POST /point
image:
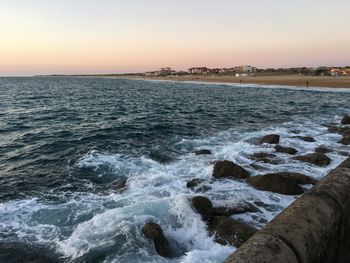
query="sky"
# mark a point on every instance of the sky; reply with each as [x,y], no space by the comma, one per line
[119,36]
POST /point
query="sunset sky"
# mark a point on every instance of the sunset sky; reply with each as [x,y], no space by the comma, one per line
[116,36]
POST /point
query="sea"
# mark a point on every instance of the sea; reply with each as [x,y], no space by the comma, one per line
[85,162]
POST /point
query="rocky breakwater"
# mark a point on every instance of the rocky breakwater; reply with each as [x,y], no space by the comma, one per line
[315,228]
[309,230]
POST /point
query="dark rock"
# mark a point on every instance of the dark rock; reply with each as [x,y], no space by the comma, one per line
[275,183]
[305,138]
[334,129]
[345,141]
[319,159]
[262,155]
[230,231]
[346,133]
[339,129]
[299,178]
[322,149]
[265,158]
[271,139]
[154,232]
[204,207]
[257,166]
[241,208]
[202,152]
[228,169]
[119,185]
[194,182]
[345,120]
[288,150]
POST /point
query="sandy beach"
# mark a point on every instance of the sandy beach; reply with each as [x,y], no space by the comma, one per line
[285,80]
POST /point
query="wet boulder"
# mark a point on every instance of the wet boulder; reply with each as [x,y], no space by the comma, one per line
[270,139]
[154,232]
[346,133]
[322,149]
[119,185]
[345,141]
[240,208]
[265,158]
[346,138]
[319,159]
[202,152]
[305,138]
[194,183]
[230,231]
[339,129]
[275,183]
[299,178]
[228,169]
[204,207]
[345,120]
[288,150]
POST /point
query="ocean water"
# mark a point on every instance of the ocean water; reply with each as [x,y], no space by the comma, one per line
[66,144]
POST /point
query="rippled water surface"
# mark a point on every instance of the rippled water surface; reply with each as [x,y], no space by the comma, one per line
[67,143]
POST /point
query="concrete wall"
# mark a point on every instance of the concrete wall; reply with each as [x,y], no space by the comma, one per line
[315,228]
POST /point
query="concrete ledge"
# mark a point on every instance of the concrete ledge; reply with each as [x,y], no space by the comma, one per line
[315,228]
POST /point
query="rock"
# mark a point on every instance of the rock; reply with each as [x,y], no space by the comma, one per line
[119,185]
[339,129]
[202,152]
[154,232]
[288,150]
[194,182]
[319,159]
[271,139]
[275,183]
[204,207]
[299,178]
[305,138]
[322,149]
[345,141]
[345,120]
[265,158]
[262,155]
[334,129]
[230,231]
[346,133]
[241,208]
[228,169]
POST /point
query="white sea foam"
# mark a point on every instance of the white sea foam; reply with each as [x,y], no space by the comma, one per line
[85,223]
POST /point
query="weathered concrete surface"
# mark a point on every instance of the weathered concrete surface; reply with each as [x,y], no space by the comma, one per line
[315,228]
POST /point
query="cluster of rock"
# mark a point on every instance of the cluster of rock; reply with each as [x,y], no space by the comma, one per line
[219,222]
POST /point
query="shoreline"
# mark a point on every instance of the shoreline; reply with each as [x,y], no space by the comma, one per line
[282,80]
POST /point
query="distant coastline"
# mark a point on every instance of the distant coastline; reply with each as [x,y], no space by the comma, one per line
[260,79]
[282,80]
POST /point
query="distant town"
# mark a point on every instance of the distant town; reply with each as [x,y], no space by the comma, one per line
[248,71]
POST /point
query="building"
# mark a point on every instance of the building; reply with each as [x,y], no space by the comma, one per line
[227,71]
[160,73]
[165,71]
[151,74]
[198,70]
[245,69]
[339,72]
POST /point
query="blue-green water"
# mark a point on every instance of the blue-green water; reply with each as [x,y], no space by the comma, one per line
[66,142]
